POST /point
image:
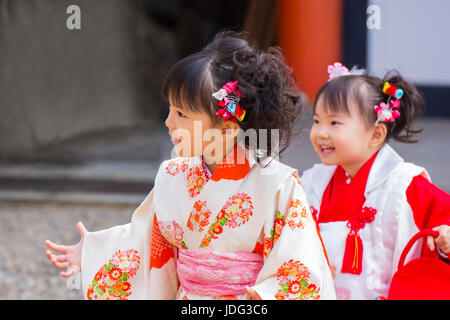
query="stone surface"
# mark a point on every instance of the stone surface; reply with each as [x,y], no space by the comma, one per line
[25,271]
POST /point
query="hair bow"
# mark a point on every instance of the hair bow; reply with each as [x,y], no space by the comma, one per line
[388,112]
[229,97]
[392,90]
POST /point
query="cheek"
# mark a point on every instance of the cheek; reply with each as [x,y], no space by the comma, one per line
[352,142]
[313,135]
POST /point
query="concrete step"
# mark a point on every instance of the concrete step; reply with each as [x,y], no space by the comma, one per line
[100,182]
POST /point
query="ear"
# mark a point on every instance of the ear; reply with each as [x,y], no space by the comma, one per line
[378,135]
[229,125]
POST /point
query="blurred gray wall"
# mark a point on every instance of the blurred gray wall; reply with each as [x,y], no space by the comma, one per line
[412,38]
[57,83]
[71,94]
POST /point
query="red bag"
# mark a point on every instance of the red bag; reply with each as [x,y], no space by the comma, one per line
[424,278]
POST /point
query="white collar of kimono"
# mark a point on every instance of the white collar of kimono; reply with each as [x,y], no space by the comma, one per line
[383,166]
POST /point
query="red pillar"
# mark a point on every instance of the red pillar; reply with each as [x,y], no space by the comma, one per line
[310,35]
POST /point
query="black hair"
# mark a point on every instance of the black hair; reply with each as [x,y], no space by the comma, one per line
[270,98]
[367,92]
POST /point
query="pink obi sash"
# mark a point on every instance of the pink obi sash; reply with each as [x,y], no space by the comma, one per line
[216,273]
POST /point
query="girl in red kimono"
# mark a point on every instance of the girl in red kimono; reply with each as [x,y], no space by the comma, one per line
[367,200]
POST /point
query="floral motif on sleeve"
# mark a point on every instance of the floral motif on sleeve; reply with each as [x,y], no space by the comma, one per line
[297,215]
[111,281]
[176,166]
[297,177]
[275,233]
[173,232]
[199,217]
[196,179]
[236,212]
[293,278]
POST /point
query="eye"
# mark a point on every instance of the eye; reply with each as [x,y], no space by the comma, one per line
[315,121]
[181,115]
[333,123]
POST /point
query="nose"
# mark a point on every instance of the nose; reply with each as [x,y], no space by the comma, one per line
[318,131]
[169,122]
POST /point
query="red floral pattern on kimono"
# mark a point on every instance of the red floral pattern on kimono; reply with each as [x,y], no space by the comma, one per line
[297,177]
[297,215]
[236,212]
[293,278]
[196,179]
[111,281]
[275,233]
[199,217]
[173,232]
[177,166]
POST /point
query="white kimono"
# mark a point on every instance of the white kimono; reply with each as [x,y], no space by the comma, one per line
[384,238]
[241,208]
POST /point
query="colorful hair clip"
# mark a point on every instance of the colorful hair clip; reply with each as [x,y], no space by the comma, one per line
[392,90]
[229,97]
[337,70]
[388,112]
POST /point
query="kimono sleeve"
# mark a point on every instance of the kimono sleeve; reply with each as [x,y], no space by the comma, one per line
[295,262]
[116,262]
[430,205]
[426,207]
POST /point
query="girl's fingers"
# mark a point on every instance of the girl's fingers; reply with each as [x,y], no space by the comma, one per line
[60,265]
[60,258]
[72,270]
[443,245]
[81,229]
[443,240]
[56,247]
[50,255]
[430,243]
[59,262]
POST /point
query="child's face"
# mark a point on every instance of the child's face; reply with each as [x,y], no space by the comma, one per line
[194,134]
[340,138]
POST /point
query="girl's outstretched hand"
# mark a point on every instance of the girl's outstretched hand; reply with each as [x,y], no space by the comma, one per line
[443,241]
[71,255]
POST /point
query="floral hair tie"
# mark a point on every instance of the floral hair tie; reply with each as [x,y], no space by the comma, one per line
[229,97]
[388,112]
[338,70]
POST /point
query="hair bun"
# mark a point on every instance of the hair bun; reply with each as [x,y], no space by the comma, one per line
[412,104]
[271,98]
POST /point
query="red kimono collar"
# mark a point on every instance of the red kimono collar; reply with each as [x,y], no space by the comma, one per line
[235,166]
[342,200]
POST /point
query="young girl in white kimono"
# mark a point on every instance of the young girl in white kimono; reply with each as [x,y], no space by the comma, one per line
[367,200]
[220,222]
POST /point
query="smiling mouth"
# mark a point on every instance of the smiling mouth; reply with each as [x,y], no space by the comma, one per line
[175,140]
[326,149]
